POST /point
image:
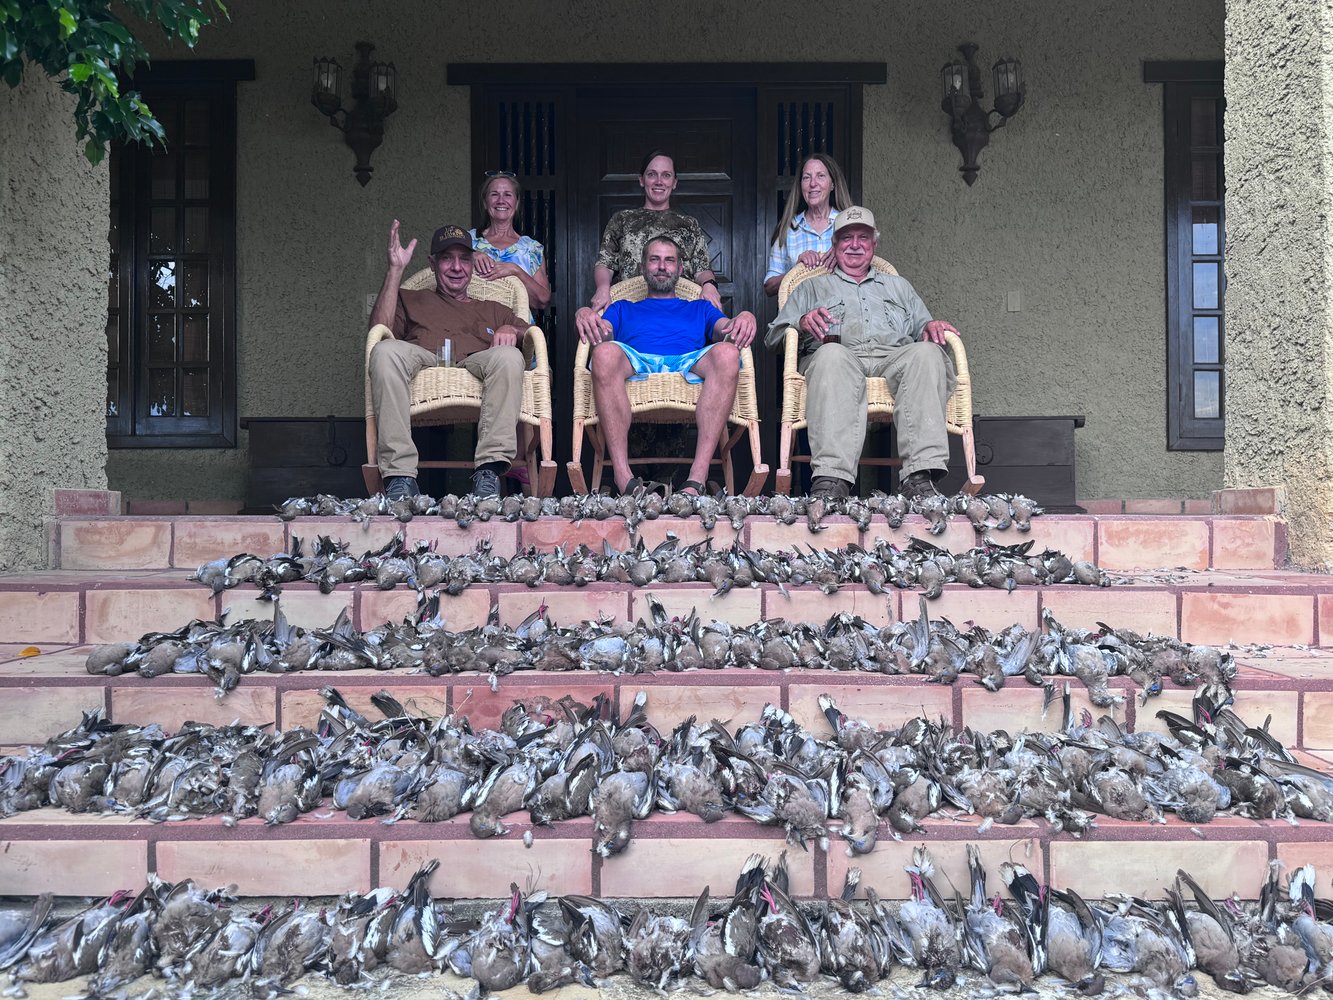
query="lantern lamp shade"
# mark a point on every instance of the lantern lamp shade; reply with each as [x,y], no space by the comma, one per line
[384,82]
[328,78]
[1008,74]
[953,78]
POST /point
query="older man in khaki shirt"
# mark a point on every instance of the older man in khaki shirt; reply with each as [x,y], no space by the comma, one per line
[879,327]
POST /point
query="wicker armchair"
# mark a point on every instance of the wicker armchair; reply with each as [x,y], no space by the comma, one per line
[665,398]
[453,395]
[879,409]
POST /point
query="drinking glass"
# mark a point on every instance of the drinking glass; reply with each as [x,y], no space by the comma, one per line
[836,313]
[444,357]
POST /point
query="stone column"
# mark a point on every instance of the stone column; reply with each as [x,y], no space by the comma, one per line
[1279,261]
[53,307]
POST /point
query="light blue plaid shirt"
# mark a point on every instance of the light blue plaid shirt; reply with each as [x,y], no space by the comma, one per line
[799,240]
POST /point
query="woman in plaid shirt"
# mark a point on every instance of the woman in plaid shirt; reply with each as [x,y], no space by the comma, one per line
[805,232]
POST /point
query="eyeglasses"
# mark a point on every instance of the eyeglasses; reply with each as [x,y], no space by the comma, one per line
[502,173]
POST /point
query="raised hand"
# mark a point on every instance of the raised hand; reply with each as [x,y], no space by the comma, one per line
[399,256]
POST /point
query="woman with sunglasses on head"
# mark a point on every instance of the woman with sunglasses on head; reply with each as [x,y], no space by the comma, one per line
[500,251]
[631,230]
[805,232]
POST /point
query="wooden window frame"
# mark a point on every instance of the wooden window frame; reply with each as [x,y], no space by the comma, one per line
[213,81]
[1182,83]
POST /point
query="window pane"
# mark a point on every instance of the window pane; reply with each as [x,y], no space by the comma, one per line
[162,231]
[1206,184]
[196,123]
[196,286]
[162,392]
[1205,230]
[194,339]
[1206,340]
[196,230]
[196,175]
[194,392]
[1208,395]
[164,175]
[1205,285]
[162,337]
[162,285]
[113,339]
[1203,121]
[166,111]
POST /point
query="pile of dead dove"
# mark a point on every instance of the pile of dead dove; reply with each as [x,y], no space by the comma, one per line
[878,568]
[934,648]
[996,512]
[198,940]
[561,760]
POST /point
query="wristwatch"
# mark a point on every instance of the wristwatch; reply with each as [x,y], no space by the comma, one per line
[709,281]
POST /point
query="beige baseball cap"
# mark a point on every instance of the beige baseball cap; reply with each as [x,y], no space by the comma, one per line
[854,216]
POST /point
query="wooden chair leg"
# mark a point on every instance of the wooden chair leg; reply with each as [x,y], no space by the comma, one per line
[782,480]
[545,470]
[974,482]
[575,466]
[758,470]
[374,481]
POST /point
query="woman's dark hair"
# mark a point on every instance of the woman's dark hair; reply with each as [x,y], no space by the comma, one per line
[643,164]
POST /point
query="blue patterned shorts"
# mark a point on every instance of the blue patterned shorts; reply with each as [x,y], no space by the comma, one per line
[655,364]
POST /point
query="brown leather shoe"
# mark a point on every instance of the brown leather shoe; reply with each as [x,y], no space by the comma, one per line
[918,485]
[830,488]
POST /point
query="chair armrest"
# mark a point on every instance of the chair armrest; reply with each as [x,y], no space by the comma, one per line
[581,355]
[955,345]
[534,349]
[791,341]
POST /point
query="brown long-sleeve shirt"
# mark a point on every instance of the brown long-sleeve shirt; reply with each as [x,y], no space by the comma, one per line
[429,318]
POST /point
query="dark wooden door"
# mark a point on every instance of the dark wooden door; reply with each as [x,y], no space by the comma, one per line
[575,137]
[711,139]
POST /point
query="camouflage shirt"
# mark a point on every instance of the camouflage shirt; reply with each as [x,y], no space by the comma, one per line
[628,233]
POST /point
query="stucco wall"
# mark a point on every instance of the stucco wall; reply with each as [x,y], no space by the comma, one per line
[1067,211]
[53,263]
[1279,308]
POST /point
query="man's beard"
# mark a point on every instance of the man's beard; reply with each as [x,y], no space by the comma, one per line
[660,282]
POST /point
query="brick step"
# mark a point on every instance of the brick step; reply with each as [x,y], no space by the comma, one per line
[323,853]
[1214,606]
[1116,542]
[47,694]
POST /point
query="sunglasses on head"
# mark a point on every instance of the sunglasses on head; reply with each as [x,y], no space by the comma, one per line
[502,173]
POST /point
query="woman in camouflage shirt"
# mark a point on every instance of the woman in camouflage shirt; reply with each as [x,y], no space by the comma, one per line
[630,230]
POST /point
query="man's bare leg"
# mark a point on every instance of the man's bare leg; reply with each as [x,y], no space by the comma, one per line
[610,369]
[719,369]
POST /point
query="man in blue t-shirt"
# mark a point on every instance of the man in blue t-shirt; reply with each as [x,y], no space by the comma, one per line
[663,333]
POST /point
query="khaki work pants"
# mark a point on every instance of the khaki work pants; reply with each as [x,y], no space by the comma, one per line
[920,376]
[393,365]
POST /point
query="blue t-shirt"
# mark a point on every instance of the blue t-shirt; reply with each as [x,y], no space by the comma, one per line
[663,326]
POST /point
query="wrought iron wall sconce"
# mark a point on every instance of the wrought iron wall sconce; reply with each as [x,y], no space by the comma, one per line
[963,95]
[374,96]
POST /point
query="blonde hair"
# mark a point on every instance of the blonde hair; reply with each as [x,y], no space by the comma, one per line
[840,196]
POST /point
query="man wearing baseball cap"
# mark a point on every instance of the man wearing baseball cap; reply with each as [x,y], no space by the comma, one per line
[485,338]
[858,323]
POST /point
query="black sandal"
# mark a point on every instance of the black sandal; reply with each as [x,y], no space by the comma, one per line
[699,488]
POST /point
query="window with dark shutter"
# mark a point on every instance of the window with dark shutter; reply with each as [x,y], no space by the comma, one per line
[1195,242]
[171,327]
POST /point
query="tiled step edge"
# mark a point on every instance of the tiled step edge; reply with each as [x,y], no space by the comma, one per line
[1118,543]
[323,853]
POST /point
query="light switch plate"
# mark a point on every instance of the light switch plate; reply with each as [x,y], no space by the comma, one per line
[1013,301]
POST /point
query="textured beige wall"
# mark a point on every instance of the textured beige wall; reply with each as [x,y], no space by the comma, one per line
[1279,307]
[1067,210]
[53,263]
